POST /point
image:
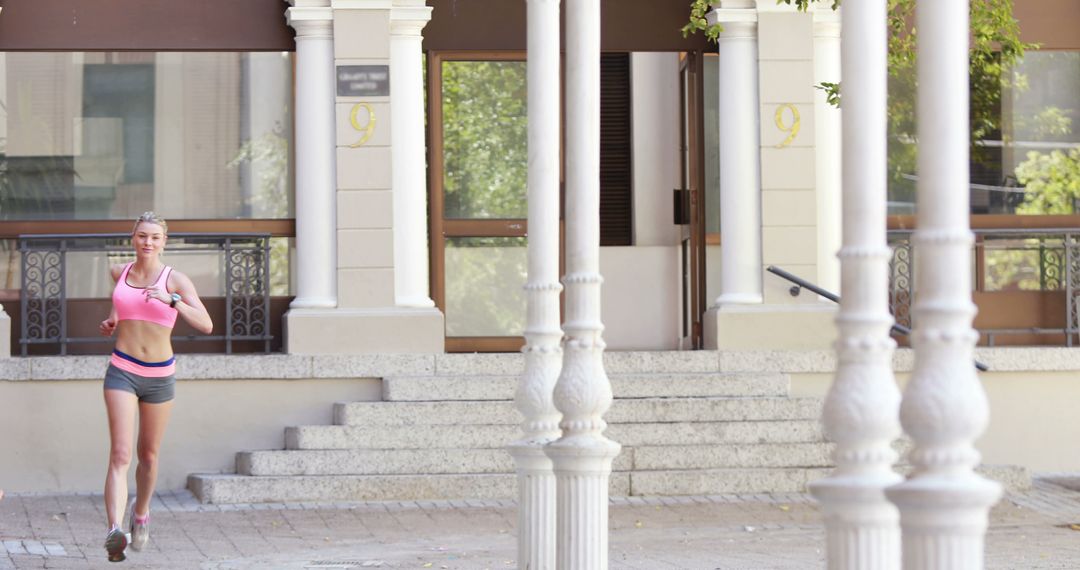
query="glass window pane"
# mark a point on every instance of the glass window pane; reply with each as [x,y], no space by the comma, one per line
[1019,264]
[485,135]
[484,279]
[111,135]
[1043,126]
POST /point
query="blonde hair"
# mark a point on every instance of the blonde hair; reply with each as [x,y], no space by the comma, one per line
[150,218]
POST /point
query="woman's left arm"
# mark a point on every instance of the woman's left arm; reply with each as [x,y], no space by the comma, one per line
[190,306]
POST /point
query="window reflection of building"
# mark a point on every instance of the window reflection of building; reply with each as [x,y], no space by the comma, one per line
[110,135]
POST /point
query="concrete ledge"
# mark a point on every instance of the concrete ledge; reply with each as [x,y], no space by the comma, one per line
[382,365]
[778,327]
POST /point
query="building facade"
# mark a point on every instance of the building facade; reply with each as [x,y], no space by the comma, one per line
[381,145]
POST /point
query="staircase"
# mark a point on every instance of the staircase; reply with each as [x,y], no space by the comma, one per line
[686,429]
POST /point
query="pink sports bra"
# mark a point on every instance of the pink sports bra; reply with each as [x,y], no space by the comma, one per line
[131,304]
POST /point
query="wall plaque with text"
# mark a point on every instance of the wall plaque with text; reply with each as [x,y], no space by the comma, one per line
[363,80]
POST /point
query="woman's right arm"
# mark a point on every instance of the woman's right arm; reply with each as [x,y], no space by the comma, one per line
[108,326]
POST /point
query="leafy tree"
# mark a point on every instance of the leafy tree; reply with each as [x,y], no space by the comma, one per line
[1052,182]
[485,134]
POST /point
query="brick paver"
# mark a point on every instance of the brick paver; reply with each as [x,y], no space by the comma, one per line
[723,532]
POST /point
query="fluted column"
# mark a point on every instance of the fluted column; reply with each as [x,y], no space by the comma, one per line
[827,147]
[543,354]
[316,208]
[408,155]
[582,456]
[740,156]
[944,505]
[861,408]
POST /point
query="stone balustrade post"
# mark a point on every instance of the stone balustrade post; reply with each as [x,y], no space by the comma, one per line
[582,456]
[861,408]
[543,353]
[944,505]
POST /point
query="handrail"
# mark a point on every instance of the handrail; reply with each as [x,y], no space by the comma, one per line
[804,284]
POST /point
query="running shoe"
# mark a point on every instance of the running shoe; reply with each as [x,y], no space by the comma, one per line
[115,543]
[138,530]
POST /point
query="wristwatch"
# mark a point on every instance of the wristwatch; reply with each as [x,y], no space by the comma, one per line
[176,298]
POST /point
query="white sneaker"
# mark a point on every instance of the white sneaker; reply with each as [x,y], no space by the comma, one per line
[139,532]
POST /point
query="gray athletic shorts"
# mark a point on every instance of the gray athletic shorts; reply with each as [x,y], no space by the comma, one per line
[150,390]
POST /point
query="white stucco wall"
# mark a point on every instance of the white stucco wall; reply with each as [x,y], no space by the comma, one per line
[55,435]
[640,297]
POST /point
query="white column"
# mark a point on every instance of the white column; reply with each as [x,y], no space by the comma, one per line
[827,147]
[740,157]
[316,188]
[944,505]
[543,355]
[582,456]
[861,408]
[408,155]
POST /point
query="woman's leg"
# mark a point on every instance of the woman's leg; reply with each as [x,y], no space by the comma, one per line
[120,406]
[152,421]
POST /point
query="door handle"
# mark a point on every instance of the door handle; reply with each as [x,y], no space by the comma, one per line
[681,206]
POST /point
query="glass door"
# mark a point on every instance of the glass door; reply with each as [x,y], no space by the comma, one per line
[478,164]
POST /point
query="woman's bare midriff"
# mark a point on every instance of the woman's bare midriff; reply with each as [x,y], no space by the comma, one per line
[143,340]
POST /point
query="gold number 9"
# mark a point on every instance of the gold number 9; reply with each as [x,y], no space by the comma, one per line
[368,128]
[793,129]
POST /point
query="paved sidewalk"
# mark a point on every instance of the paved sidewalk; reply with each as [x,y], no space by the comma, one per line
[760,532]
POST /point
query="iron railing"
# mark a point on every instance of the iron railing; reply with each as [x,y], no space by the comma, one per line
[1024,259]
[245,265]
[800,284]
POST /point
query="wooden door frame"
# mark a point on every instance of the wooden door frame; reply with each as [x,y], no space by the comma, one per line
[691,103]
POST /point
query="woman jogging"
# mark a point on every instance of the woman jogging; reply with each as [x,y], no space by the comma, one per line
[145,302]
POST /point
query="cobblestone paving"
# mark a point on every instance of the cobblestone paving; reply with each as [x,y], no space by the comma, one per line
[726,532]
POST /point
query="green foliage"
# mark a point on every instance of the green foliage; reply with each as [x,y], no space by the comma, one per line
[485,139]
[1020,265]
[832,92]
[1052,181]
[804,5]
[698,23]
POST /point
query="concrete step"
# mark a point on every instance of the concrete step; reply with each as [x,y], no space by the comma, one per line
[230,489]
[657,385]
[498,436]
[615,362]
[723,481]
[384,462]
[439,461]
[647,410]
[693,457]
[225,489]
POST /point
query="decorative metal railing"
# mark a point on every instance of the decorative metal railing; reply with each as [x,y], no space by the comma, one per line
[245,267]
[1004,260]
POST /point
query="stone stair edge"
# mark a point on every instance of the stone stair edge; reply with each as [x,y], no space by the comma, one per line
[623,483]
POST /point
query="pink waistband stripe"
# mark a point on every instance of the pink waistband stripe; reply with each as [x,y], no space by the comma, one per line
[127,365]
